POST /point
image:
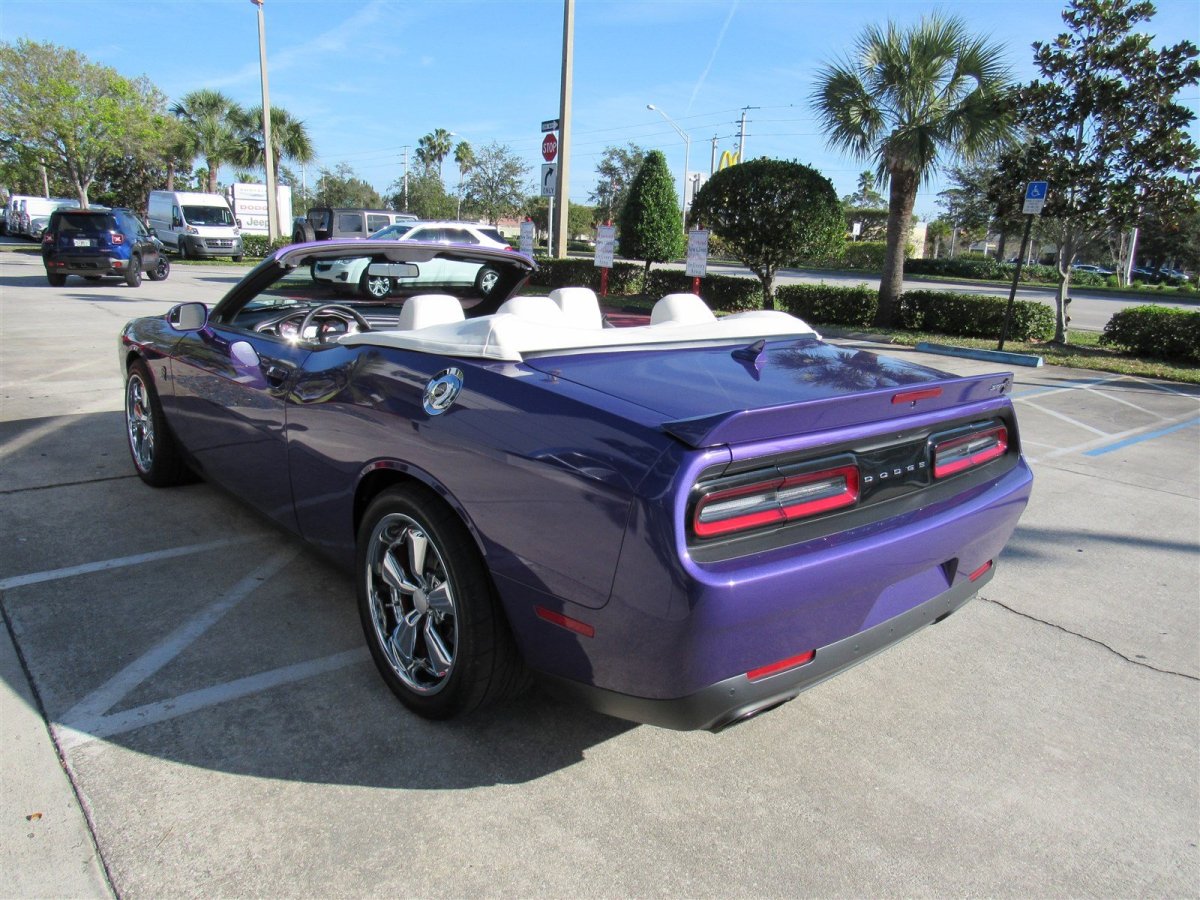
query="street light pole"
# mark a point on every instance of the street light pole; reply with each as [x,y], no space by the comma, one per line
[687,155]
[268,150]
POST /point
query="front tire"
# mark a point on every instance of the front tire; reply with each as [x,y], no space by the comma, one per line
[161,270]
[151,444]
[181,248]
[428,608]
[377,286]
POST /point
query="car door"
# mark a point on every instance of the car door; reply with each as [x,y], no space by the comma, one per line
[454,272]
[143,244]
[230,390]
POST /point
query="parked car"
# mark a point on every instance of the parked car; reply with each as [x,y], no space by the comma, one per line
[36,214]
[438,271]
[11,220]
[194,224]
[1094,270]
[324,223]
[98,242]
[684,523]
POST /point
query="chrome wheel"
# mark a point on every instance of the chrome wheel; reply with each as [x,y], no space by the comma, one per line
[377,286]
[412,603]
[487,280]
[139,423]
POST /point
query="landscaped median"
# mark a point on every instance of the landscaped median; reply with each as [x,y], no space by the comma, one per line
[1148,341]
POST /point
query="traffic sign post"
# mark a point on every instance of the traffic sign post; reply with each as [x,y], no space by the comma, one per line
[1035,199]
[606,238]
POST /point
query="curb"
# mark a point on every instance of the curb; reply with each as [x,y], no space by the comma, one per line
[1001,356]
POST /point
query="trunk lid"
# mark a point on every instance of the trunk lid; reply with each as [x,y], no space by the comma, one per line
[708,396]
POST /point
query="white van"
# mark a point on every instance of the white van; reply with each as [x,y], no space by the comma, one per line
[35,213]
[199,225]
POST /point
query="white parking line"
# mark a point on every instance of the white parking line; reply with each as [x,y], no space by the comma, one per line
[1067,419]
[118,563]
[1120,435]
[89,712]
[70,737]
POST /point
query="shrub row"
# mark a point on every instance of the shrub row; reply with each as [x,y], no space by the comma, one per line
[1157,331]
[624,277]
[993,270]
[827,304]
[855,255]
[724,293]
[257,246]
[974,315]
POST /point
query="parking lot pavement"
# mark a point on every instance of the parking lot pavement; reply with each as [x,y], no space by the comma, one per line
[204,682]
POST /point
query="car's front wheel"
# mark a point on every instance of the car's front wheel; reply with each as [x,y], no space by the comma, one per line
[151,444]
[161,269]
[428,608]
[377,286]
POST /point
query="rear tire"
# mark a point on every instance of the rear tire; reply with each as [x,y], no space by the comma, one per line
[56,280]
[152,447]
[133,274]
[428,608]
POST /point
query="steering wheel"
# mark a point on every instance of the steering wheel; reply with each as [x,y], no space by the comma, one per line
[346,313]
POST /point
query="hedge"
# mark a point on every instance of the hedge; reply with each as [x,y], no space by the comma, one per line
[724,293]
[828,304]
[1156,331]
[258,246]
[993,270]
[974,315]
[623,278]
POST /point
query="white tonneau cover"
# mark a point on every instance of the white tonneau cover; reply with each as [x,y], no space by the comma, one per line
[510,337]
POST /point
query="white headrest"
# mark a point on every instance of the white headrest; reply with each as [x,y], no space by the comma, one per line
[425,310]
[681,309]
[535,309]
[579,305]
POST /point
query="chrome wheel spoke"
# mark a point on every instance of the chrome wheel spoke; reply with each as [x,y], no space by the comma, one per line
[440,601]
[418,546]
[404,641]
[440,657]
[394,574]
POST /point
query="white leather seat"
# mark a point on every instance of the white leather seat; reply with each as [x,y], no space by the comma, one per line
[535,309]
[681,309]
[579,306]
[425,310]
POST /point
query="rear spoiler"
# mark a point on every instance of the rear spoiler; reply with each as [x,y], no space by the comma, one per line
[810,416]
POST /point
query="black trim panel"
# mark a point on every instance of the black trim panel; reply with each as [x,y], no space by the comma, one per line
[736,699]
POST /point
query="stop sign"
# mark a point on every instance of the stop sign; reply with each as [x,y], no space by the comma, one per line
[549,147]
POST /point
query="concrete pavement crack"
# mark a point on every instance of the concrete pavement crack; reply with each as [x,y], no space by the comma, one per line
[1112,650]
[62,484]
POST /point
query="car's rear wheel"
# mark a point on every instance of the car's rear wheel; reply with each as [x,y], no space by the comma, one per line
[133,272]
[485,281]
[55,279]
[377,286]
[161,270]
[151,444]
[428,608]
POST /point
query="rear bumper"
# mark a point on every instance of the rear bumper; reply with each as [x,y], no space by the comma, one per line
[737,699]
[86,265]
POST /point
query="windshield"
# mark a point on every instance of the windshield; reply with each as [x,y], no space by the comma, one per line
[393,232]
[208,215]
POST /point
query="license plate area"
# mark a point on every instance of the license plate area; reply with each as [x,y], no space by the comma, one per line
[82,242]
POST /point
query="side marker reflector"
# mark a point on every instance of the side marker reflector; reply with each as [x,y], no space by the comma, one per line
[557,618]
[783,665]
[980,571]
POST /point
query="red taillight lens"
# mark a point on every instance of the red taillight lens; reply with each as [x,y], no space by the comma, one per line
[118,238]
[961,453]
[775,500]
[47,237]
[783,665]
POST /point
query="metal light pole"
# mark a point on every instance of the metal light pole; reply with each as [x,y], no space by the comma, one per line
[268,149]
[560,228]
[687,155]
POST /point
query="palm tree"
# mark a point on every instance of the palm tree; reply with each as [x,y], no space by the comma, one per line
[432,149]
[464,156]
[289,138]
[906,100]
[209,116]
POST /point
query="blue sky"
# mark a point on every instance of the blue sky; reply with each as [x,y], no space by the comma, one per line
[369,76]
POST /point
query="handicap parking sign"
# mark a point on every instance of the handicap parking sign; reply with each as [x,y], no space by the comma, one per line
[1035,198]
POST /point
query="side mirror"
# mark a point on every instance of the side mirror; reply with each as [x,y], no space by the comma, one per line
[176,222]
[188,316]
[153,232]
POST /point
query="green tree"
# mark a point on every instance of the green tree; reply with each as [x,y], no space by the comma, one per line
[289,138]
[770,213]
[580,217]
[1104,128]
[967,206]
[906,99]
[73,115]
[496,184]
[341,187]
[432,149]
[427,197]
[650,226]
[615,173]
[212,119]
[464,158]
[865,197]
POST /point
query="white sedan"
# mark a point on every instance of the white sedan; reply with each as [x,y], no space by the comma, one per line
[351,271]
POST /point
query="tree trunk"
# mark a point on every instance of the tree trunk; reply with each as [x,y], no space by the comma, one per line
[212,176]
[1062,296]
[768,286]
[1000,246]
[903,194]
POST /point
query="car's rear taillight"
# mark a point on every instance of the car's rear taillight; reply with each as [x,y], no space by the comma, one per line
[118,238]
[775,499]
[47,237]
[958,454]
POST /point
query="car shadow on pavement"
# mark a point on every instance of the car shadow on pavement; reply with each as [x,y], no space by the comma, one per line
[118,598]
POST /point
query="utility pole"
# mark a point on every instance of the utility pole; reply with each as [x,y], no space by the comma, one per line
[742,134]
[559,248]
[268,150]
[405,149]
[712,165]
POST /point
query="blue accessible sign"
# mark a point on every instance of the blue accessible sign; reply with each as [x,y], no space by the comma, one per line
[1035,198]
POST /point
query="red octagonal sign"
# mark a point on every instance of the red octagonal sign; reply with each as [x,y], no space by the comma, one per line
[549,147]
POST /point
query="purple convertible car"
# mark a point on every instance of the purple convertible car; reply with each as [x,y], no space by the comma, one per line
[683,523]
